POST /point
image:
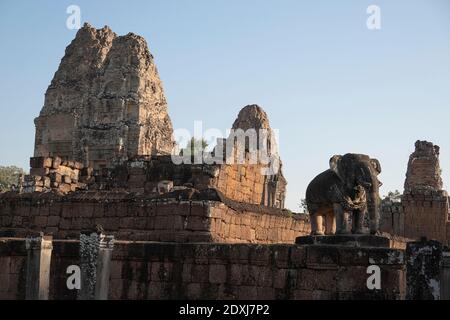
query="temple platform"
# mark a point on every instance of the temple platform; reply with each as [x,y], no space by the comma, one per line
[355,240]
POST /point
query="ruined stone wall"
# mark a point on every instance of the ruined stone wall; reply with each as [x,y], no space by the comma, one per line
[254,272]
[245,183]
[426,215]
[13,258]
[231,226]
[392,218]
[105,102]
[219,271]
[448,231]
[142,175]
[57,175]
[239,182]
[132,217]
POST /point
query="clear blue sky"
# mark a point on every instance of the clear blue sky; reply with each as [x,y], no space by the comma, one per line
[329,84]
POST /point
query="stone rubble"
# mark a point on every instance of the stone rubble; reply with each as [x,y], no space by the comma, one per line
[54,174]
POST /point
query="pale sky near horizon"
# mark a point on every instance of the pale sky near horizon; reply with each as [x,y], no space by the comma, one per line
[328,83]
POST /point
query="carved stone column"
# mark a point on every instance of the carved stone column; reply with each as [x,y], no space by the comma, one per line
[95,262]
[445,276]
[423,270]
[38,267]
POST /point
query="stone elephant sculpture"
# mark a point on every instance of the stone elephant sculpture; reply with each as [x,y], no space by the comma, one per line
[349,187]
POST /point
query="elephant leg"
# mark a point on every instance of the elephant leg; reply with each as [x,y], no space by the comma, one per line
[358,221]
[374,218]
[341,219]
[316,224]
[330,223]
[355,221]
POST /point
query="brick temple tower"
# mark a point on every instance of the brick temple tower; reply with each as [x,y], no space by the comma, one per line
[425,203]
[105,103]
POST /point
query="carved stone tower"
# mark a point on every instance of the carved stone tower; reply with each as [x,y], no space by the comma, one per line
[425,203]
[105,103]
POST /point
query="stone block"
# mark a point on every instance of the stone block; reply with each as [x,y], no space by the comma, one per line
[312,279]
[322,256]
[40,221]
[200,273]
[87,172]
[39,171]
[64,188]
[55,177]
[41,162]
[17,265]
[353,256]
[352,278]
[281,255]
[186,276]
[298,256]
[280,278]
[260,255]
[46,182]
[56,162]
[198,223]
[37,189]
[247,293]
[194,291]
[386,257]
[115,289]
[77,165]
[74,175]
[138,180]
[347,240]
[302,294]
[217,274]
[4,265]
[53,221]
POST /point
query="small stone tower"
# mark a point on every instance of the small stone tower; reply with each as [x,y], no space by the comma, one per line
[425,203]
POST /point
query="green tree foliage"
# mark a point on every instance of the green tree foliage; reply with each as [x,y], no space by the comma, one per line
[303,206]
[194,147]
[9,176]
[394,195]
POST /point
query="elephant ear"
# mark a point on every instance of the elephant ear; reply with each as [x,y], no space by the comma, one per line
[335,166]
[376,165]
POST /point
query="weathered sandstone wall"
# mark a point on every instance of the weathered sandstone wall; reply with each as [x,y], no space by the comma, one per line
[132,217]
[219,271]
